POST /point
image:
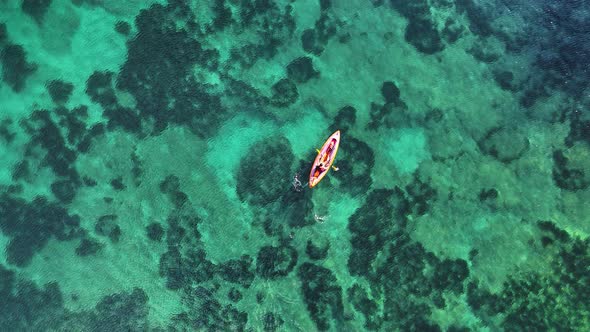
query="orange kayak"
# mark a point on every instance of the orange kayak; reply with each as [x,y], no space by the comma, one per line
[324,159]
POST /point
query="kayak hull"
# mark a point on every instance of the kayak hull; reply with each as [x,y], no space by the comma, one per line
[327,154]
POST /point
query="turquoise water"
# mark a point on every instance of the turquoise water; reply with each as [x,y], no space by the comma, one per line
[149,151]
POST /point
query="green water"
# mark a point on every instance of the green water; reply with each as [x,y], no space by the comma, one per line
[149,149]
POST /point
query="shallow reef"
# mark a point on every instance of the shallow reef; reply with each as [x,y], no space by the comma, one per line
[156,159]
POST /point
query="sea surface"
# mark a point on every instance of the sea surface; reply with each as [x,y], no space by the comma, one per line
[155,158]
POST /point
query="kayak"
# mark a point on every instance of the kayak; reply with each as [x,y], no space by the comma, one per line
[324,160]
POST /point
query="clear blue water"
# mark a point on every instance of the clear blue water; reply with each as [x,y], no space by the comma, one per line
[155,159]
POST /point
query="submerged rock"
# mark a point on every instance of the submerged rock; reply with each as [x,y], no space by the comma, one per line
[60,91]
[358,159]
[505,144]
[378,221]
[36,8]
[301,70]
[571,168]
[273,262]
[259,184]
[344,120]
[422,34]
[88,246]
[322,296]
[15,67]
[284,93]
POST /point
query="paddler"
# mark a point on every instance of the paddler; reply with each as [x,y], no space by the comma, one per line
[325,157]
[328,154]
[320,168]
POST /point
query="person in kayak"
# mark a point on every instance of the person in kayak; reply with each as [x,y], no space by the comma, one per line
[328,154]
[320,168]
